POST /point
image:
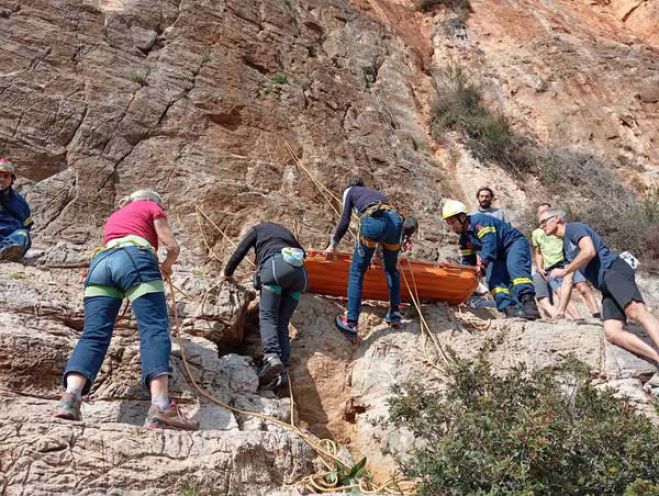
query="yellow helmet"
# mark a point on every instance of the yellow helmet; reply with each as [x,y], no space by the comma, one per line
[453,207]
[6,165]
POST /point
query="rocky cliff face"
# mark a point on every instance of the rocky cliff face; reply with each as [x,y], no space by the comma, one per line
[201,101]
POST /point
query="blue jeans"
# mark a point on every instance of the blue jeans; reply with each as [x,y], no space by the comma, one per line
[20,237]
[386,228]
[122,269]
[282,286]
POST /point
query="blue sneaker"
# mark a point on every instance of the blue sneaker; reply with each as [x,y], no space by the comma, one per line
[393,318]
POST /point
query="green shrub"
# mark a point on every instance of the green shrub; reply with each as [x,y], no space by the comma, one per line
[458,106]
[544,432]
[139,78]
[279,79]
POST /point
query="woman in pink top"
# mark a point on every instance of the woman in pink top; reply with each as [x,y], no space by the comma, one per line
[128,266]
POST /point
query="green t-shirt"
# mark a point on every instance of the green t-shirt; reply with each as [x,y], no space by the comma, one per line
[551,247]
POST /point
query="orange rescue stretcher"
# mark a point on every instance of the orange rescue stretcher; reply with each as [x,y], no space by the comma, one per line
[452,283]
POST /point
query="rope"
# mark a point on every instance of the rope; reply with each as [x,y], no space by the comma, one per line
[426,333]
[322,189]
[325,448]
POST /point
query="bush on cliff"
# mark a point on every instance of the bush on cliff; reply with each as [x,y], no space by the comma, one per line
[542,432]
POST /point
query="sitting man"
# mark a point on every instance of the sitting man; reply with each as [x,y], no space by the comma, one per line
[621,298]
[280,279]
[15,220]
[504,252]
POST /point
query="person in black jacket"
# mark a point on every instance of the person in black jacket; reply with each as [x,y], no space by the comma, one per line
[281,279]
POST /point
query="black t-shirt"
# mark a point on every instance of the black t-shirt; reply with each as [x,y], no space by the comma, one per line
[267,239]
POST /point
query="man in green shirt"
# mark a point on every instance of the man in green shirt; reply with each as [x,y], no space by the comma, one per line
[548,255]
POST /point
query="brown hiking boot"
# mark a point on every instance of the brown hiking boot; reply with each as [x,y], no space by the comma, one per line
[171,418]
[68,407]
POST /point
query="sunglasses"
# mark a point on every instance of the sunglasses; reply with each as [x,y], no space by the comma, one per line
[544,221]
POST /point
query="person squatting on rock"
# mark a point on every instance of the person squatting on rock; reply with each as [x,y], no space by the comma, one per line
[548,251]
[15,220]
[380,224]
[485,197]
[504,253]
[585,250]
[127,266]
[280,279]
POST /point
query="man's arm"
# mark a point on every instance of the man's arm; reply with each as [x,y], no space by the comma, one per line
[566,293]
[586,254]
[168,240]
[488,238]
[241,251]
[539,261]
[344,222]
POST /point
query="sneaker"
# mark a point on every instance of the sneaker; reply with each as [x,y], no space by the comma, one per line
[393,318]
[346,326]
[11,253]
[170,418]
[280,381]
[270,368]
[68,407]
[529,307]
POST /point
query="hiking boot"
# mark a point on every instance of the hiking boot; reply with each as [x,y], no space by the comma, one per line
[11,253]
[393,318]
[510,311]
[270,368]
[346,326]
[170,418]
[529,307]
[68,407]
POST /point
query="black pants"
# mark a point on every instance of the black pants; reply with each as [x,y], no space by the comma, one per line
[282,286]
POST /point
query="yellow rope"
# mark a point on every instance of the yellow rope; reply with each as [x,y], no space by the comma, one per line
[322,189]
[325,448]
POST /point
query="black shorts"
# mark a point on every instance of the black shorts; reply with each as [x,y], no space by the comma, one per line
[619,289]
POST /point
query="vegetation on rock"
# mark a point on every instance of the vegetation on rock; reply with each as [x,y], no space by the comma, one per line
[538,432]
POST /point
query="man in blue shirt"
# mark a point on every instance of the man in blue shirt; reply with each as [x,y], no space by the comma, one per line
[378,224]
[621,298]
[15,220]
[505,257]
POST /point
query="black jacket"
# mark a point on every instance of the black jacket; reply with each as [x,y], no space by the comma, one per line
[267,239]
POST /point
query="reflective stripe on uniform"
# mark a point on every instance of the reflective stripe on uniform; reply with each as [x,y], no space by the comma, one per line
[464,253]
[27,222]
[500,290]
[522,280]
[486,230]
